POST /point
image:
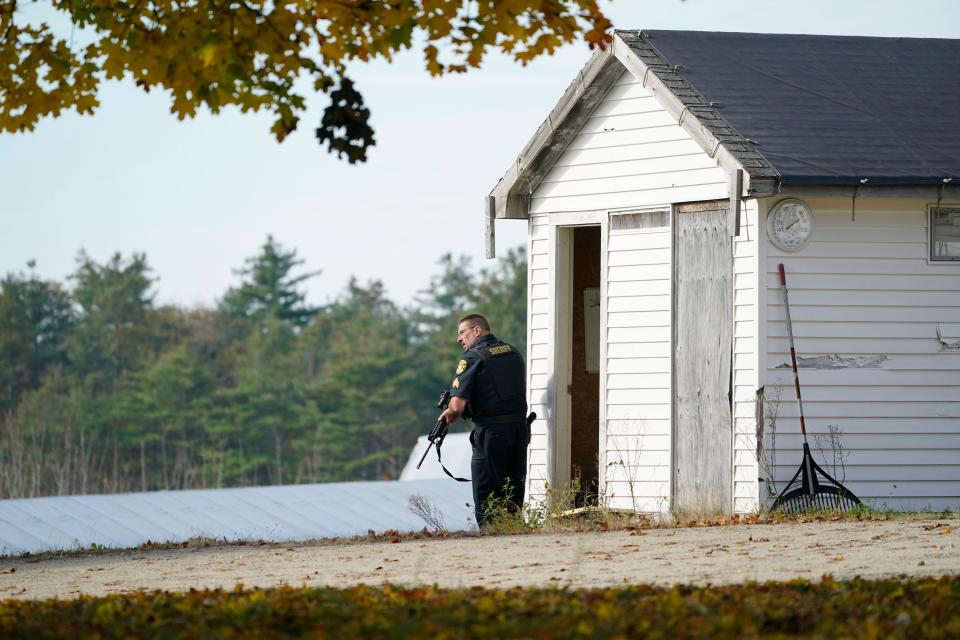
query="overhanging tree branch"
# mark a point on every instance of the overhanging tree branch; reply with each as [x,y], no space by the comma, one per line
[208,53]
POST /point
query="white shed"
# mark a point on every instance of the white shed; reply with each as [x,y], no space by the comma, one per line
[658,360]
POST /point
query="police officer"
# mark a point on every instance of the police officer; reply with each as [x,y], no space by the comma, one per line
[490,388]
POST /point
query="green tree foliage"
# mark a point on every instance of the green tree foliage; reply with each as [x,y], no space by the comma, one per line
[269,290]
[370,378]
[109,392]
[500,294]
[438,308]
[115,301]
[160,409]
[268,408]
[35,317]
[251,53]
[896,608]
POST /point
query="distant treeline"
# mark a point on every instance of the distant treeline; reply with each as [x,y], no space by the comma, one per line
[101,390]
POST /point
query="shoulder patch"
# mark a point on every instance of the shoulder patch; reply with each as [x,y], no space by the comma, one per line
[500,349]
[461,366]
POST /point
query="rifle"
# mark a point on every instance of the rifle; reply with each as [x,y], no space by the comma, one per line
[439,432]
[436,436]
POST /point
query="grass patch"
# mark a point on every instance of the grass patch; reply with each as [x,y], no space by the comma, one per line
[559,513]
[918,608]
[556,515]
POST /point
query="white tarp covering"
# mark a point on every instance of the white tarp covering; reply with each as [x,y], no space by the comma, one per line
[283,513]
[456,452]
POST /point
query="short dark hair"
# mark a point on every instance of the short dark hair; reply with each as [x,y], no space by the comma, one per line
[475,320]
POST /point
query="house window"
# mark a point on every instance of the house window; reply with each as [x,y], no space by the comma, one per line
[944,233]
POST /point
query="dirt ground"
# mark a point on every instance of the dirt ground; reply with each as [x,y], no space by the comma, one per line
[705,555]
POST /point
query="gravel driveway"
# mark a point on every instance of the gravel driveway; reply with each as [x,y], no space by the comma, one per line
[716,555]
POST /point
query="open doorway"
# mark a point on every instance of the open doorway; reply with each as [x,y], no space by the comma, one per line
[578,315]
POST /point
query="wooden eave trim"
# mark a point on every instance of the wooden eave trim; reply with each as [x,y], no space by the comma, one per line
[512,193]
[770,188]
[687,120]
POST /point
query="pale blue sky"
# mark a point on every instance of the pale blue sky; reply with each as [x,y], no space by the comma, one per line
[200,196]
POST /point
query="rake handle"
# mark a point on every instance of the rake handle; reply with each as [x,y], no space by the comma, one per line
[793,351]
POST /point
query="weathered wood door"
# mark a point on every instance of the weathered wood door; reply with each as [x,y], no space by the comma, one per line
[703,318]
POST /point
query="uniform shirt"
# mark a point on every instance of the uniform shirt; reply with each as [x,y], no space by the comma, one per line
[495,393]
[467,369]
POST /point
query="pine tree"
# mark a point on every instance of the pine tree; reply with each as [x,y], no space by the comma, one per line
[269,289]
[35,318]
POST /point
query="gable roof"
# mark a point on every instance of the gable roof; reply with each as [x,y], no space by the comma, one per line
[824,110]
[790,110]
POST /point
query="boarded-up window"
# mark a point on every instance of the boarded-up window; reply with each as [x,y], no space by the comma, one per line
[642,220]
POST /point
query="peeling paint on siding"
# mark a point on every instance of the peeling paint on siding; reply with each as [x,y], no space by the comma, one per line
[834,361]
[947,344]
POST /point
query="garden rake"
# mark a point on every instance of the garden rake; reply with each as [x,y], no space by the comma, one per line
[812,488]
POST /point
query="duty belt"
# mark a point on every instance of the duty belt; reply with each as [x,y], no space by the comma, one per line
[499,420]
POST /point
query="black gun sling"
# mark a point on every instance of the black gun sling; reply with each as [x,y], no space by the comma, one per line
[445,470]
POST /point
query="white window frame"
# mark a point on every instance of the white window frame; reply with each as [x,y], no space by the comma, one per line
[931,239]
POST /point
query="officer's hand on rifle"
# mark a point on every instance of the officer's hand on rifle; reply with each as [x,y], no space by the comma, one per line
[454,410]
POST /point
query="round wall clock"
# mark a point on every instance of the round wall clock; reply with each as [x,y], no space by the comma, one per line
[790,225]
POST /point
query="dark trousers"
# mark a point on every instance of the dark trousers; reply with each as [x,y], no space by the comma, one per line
[498,466]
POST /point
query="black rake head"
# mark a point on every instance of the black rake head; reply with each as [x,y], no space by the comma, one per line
[813,489]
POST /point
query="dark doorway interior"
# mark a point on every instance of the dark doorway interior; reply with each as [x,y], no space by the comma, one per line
[585,385]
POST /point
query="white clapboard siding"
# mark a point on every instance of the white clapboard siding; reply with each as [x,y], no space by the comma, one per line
[745,359]
[823,412]
[539,353]
[945,314]
[629,153]
[628,168]
[635,395]
[635,445]
[865,300]
[638,428]
[904,361]
[636,450]
[878,441]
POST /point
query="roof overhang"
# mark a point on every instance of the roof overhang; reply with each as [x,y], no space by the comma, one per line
[734,153]
[944,191]
[511,195]
[510,198]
